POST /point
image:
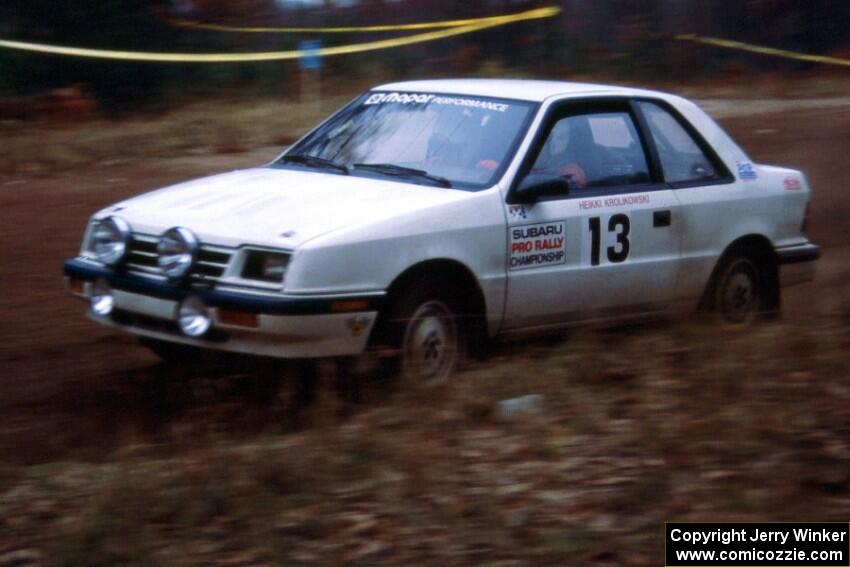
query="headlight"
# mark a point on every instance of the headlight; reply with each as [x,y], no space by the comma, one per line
[109,240]
[265,266]
[176,252]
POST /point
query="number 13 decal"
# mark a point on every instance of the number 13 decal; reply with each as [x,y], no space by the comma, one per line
[618,224]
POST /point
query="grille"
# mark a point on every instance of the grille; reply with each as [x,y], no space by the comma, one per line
[210,266]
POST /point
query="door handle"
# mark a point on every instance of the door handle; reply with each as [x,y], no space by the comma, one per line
[661,218]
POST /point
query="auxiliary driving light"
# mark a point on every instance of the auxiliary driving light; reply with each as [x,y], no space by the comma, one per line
[101,300]
[176,252]
[194,317]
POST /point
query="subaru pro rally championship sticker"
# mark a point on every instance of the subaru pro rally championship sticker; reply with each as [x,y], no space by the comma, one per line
[537,245]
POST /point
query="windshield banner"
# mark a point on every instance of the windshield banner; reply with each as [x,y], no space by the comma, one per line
[412,98]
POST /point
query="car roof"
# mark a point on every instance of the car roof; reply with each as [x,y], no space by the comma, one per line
[518,89]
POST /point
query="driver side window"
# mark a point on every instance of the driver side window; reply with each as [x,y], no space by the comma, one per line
[594,150]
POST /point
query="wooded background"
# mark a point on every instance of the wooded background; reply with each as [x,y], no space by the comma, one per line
[589,39]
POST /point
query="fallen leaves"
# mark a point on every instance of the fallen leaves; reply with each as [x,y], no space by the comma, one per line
[586,474]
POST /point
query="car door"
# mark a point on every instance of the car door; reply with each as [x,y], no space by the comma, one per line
[609,244]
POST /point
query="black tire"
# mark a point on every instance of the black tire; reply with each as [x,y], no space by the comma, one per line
[743,288]
[424,326]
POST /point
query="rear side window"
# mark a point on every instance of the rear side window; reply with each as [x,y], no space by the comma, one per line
[681,157]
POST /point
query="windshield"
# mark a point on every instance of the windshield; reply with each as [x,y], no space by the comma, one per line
[433,139]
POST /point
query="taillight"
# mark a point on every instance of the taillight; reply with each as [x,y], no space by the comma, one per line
[805,224]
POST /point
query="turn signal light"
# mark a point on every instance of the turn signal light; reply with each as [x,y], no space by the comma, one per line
[76,286]
[238,318]
[350,306]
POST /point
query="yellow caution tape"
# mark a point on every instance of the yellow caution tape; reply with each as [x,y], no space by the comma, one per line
[740,46]
[354,29]
[495,21]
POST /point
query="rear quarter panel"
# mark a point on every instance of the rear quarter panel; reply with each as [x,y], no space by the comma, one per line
[772,204]
[716,216]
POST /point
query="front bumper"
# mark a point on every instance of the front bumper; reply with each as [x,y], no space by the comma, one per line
[267,324]
[797,263]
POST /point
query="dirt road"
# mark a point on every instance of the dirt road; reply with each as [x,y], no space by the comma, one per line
[70,385]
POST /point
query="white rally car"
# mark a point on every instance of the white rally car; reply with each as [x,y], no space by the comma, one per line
[425,213]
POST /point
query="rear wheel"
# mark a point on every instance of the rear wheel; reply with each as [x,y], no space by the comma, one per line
[743,289]
[739,294]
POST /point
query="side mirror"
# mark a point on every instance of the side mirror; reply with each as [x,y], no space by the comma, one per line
[536,185]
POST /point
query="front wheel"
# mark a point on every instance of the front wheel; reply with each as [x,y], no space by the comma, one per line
[425,328]
[430,347]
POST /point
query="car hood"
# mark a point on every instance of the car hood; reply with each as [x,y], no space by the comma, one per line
[274,207]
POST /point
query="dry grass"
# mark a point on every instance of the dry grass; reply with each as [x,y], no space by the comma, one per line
[637,427]
[215,127]
[221,126]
